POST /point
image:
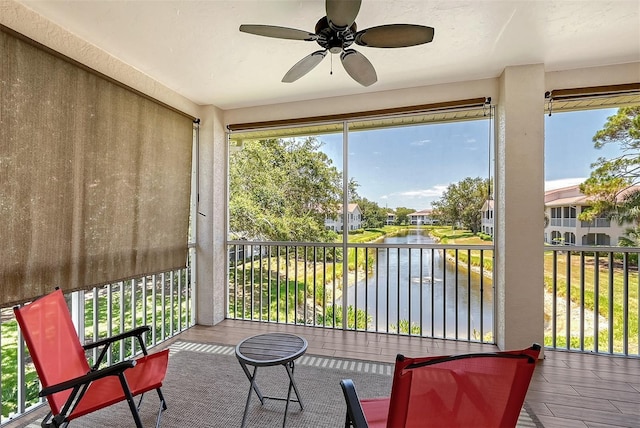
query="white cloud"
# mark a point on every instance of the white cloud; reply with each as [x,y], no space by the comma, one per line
[437,190]
[563,182]
[419,143]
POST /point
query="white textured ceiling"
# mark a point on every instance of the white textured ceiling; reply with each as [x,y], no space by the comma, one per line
[195,48]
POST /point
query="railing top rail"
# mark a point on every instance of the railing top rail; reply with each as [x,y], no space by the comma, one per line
[591,248]
[359,245]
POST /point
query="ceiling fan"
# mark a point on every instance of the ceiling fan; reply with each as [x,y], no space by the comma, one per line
[336,32]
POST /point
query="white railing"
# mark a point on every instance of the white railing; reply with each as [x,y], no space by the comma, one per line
[592,302]
[591,293]
[425,290]
[164,302]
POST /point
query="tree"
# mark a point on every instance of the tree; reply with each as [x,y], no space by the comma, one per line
[610,180]
[282,190]
[373,215]
[402,215]
[462,202]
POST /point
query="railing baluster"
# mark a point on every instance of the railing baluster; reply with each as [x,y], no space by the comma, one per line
[377,290]
[567,308]
[269,282]
[306,286]
[171,304]
[153,310]
[180,273]
[277,283]
[122,316]
[296,280]
[133,314]
[596,303]
[366,288]
[144,301]
[481,301]
[625,305]
[95,325]
[610,314]
[252,283]
[582,299]
[388,302]
[109,309]
[334,282]
[433,293]
[455,304]
[421,284]
[444,294]
[244,282]
[469,298]
[21,389]
[355,288]
[398,291]
[324,282]
[409,291]
[286,284]
[554,315]
[163,296]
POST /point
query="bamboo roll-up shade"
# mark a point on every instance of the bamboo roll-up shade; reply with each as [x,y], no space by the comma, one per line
[94,178]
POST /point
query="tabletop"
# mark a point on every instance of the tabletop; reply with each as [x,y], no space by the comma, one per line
[271,349]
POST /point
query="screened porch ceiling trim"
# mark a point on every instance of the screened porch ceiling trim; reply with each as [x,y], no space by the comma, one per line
[594,97]
[469,109]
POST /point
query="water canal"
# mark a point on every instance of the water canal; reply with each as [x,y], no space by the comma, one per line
[417,285]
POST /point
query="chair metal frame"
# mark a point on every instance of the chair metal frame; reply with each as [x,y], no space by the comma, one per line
[80,384]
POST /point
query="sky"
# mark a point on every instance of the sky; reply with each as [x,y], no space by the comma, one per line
[412,166]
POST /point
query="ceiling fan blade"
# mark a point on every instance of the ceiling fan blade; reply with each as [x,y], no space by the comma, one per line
[278,32]
[394,36]
[358,67]
[304,66]
[342,13]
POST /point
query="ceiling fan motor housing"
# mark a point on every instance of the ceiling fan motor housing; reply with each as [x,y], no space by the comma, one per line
[334,40]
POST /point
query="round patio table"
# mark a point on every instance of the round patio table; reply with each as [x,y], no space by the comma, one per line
[271,349]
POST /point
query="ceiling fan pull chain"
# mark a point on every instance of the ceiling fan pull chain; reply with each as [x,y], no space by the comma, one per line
[331,69]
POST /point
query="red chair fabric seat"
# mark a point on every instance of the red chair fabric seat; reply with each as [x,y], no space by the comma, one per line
[72,387]
[146,375]
[473,390]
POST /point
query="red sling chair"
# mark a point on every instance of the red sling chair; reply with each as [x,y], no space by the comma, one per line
[472,390]
[72,388]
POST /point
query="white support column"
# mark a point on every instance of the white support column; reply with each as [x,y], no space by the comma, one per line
[211,217]
[520,200]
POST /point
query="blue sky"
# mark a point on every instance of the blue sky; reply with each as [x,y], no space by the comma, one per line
[412,166]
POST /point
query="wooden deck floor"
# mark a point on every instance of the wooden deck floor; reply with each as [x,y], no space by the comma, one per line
[568,389]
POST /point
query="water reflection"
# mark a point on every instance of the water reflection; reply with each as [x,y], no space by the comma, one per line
[417,285]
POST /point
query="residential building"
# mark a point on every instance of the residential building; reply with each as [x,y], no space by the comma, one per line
[562,208]
[391,218]
[422,217]
[355,219]
[562,227]
[486,223]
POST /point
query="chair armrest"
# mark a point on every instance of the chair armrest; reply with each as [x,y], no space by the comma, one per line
[113,370]
[139,331]
[354,408]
